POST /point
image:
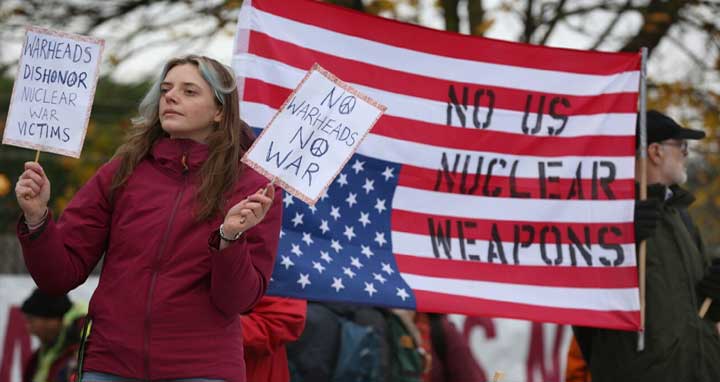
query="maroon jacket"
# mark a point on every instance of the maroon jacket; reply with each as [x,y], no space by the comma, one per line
[167,305]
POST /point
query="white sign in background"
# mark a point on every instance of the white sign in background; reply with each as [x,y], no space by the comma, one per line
[53,91]
[313,134]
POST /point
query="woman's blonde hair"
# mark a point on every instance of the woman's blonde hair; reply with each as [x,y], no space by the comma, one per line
[226,144]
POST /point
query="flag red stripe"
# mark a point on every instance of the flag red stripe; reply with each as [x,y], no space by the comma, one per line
[418,223]
[568,277]
[467,139]
[427,179]
[418,38]
[448,303]
[432,88]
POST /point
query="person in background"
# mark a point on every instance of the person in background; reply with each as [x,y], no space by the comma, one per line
[576,369]
[57,323]
[679,345]
[452,358]
[272,323]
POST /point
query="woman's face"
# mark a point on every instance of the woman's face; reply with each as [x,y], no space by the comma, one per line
[187,104]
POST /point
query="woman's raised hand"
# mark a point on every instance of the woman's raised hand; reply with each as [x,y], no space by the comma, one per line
[249,212]
[33,192]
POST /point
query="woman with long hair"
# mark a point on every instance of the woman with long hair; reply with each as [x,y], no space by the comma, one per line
[188,234]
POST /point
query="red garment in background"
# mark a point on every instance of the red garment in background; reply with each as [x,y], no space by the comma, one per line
[459,364]
[577,369]
[273,322]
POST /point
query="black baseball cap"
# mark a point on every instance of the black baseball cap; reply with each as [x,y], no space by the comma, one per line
[660,127]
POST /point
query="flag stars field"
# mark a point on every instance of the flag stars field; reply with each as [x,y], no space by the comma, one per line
[343,252]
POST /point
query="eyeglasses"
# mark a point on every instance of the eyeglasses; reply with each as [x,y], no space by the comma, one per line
[682,145]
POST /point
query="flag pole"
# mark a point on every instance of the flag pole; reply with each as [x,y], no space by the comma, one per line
[643,191]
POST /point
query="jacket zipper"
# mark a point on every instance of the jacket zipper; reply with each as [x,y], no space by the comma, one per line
[156,267]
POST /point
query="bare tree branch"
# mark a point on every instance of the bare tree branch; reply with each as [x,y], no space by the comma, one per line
[476,16]
[602,6]
[452,19]
[611,25]
[551,25]
[659,16]
[528,22]
[698,61]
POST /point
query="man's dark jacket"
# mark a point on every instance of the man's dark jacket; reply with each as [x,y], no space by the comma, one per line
[679,346]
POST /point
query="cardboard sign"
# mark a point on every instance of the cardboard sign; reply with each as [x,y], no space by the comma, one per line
[313,134]
[53,91]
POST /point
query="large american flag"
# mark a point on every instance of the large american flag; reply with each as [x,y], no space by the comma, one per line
[498,183]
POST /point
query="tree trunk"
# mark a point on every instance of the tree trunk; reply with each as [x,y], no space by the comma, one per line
[659,16]
[452,20]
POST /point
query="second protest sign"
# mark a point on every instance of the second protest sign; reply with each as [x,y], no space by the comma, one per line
[313,135]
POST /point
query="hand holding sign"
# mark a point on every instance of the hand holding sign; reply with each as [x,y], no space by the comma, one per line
[33,192]
[249,212]
[313,135]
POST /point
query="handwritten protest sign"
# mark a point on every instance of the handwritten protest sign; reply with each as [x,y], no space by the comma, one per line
[313,135]
[53,91]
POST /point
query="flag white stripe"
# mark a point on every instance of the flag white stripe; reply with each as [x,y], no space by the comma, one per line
[412,244]
[625,299]
[431,111]
[431,65]
[406,152]
[513,209]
